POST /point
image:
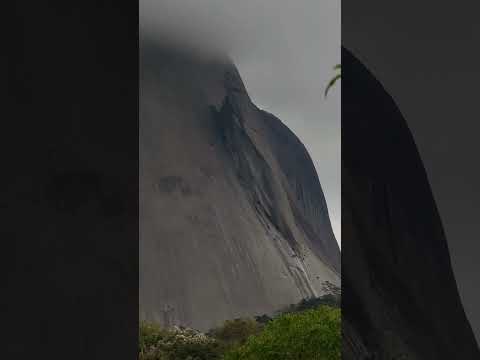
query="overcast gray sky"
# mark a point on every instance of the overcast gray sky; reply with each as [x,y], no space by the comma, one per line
[285,51]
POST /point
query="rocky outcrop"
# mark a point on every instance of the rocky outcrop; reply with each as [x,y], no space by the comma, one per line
[399,295]
[233,221]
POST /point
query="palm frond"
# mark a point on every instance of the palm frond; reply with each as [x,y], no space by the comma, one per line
[332,82]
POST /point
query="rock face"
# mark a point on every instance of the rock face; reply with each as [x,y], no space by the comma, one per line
[399,295]
[233,221]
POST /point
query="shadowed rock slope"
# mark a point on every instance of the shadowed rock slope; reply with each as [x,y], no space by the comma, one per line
[399,295]
[233,221]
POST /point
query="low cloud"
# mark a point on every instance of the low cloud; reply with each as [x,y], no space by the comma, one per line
[285,51]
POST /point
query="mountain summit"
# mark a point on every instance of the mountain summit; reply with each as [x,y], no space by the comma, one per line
[233,221]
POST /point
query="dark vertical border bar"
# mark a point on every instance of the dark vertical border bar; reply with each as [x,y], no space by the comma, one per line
[70,169]
[409,183]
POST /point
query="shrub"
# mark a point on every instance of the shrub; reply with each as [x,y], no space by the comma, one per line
[236,332]
[149,335]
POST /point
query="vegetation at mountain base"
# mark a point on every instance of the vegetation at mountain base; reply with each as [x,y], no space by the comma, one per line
[312,303]
[313,334]
[176,344]
[309,330]
[236,332]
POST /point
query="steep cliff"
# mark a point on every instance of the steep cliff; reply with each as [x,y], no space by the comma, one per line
[233,221]
[399,295]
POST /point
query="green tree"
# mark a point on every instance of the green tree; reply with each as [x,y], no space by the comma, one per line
[310,335]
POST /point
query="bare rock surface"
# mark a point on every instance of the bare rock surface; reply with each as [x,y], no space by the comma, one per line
[233,221]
